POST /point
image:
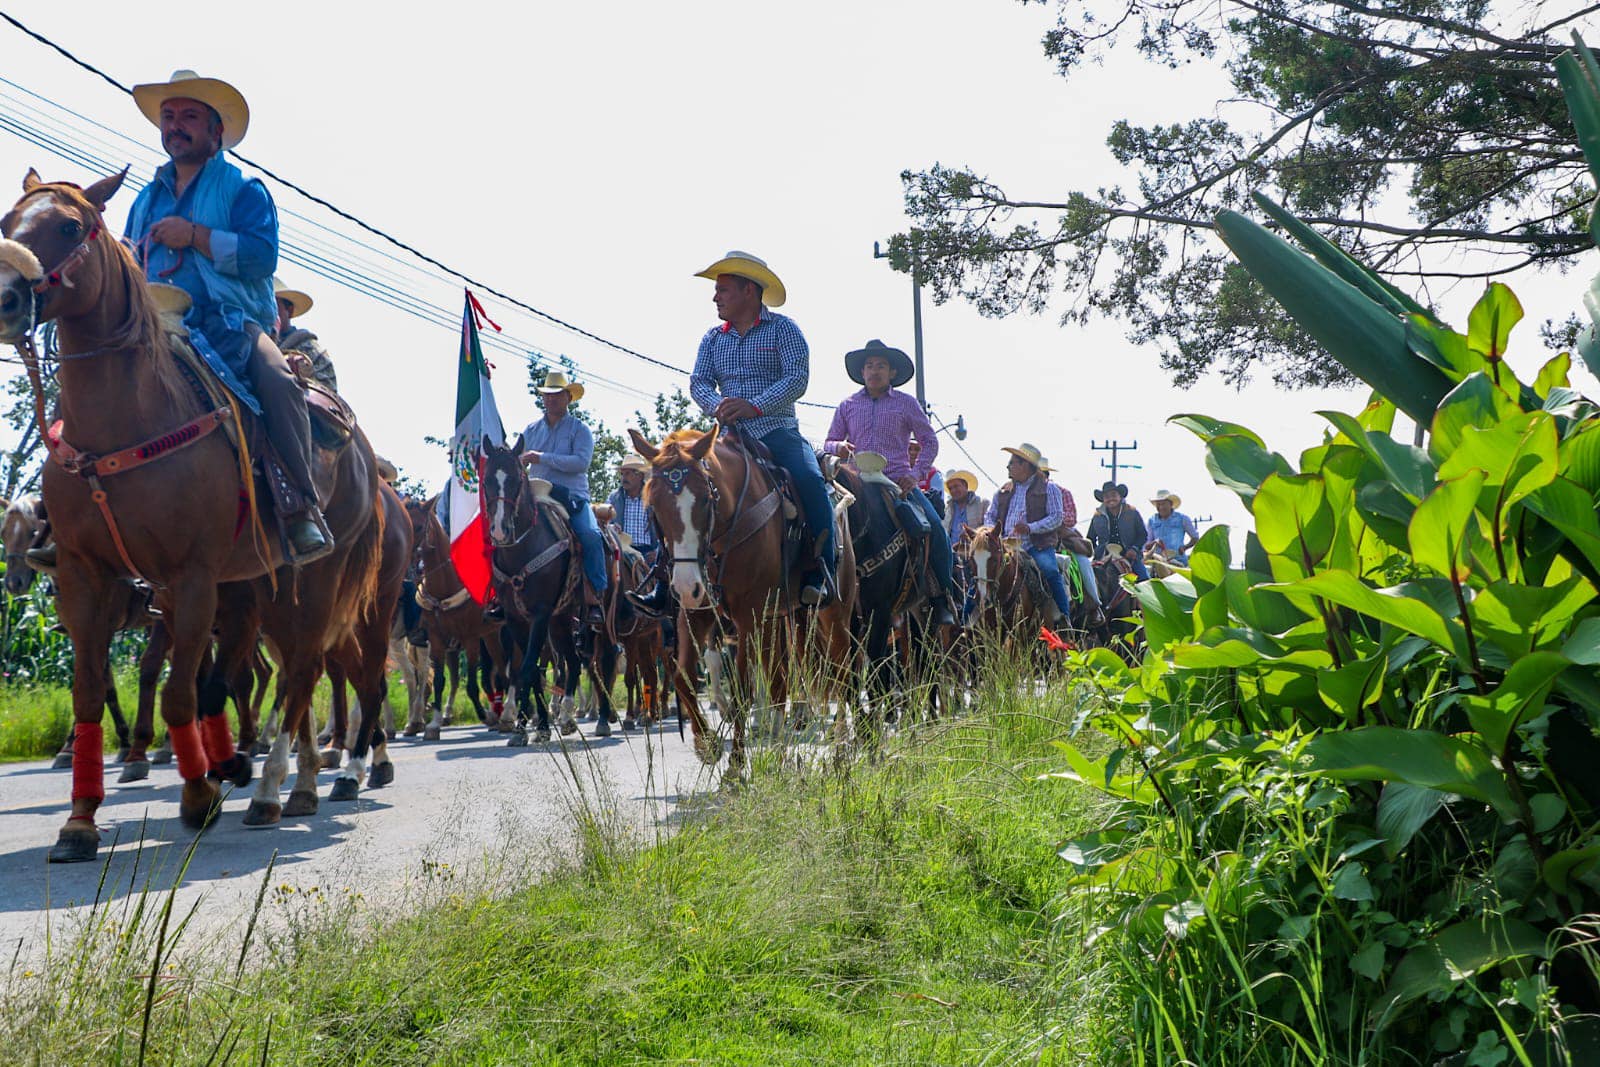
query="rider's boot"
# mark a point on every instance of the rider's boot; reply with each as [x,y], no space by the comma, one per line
[942,615]
[41,555]
[309,539]
[818,588]
[288,425]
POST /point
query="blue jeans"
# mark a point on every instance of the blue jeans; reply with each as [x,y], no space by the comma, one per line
[594,548]
[1046,559]
[794,454]
[938,548]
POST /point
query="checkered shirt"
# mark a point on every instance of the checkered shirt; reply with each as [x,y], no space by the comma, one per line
[769,365]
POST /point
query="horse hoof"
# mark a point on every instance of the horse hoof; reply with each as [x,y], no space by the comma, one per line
[74,845]
[236,769]
[344,789]
[135,771]
[62,762]
[200,804]
[602,727]
[411,730]
[568,727]
[541,737]
[161,755]
[431,734]
[122,753]
[519,739]
[331,758]
[261,813]
[301,802]
[710,754]
[390,735]
[380,775]
[260,748]
[630,723]
[324,739]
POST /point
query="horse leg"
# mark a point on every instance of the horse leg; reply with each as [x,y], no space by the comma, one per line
[90,630]
[63,758]
[602,676]
[364,664]
[707,745]
[453,665]
[474,653]
[193,611]
[144,723]
[237,626]
[338,716]
[118,723]
[296,682]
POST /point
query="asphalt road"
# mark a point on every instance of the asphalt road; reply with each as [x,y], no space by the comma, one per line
[466,806]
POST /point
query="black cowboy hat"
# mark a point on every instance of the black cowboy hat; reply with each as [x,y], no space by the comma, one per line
[903,368]
[1120,490]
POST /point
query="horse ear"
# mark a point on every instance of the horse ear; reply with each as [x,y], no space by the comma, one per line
[519,445]
[31,181]
[702,448]
[104,189]
[642,445]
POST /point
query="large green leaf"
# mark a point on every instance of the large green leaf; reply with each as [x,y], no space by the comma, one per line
[1583,104]
[1352,687]
[1519,618]
[1364,336]
[1475,402]
[1455,954]
[1570,509]
[1241,463]
[1561,868]
[1403,809]
[1404,607]
[1580,455]
[1205,428]
[1341,262]
[1554,373]
[1443,347]
[1387,511]
[1442,524]
[1416,757]
[1490,322]
[1260,608]
[1520,692]
[1166,605]
[1409,467]
[1293,516]
[1519,455]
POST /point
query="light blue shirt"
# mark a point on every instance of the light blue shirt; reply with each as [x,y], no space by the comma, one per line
[566,450]
[1170,532]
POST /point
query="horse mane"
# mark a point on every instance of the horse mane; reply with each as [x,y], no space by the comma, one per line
[142,326]
[680,435]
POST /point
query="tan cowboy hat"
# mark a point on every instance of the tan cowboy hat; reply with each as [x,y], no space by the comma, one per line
[555,381]
[963,476]
[187,85]
[634,462]
[299,303]
[744,265]
[1163,494]
[1029,453]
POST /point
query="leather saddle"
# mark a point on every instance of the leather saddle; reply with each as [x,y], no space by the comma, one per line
[800,541]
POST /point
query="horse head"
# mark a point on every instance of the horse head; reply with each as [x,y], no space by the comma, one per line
[507,496]
[17,529]
[683,498]
[54,251]
[987,552]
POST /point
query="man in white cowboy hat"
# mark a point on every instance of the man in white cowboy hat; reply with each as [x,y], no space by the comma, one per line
[1029,508]
[627,504]
[1171,531]
[1115,522]
[559,449]
[292,303]
[203,226]
[879,418]
[748,373]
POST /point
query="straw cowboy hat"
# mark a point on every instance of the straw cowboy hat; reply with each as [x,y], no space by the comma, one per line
[898,360]
[1028,454]
[1120,490]
[555,381]
[1163,494]
[753,268]
[299,303]
[634,462]
[187,85]
[963,476]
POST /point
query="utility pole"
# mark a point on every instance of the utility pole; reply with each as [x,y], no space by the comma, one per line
[1199,520]
[1116,448]
[916,315]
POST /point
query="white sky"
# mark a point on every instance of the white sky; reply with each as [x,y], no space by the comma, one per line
[588,158]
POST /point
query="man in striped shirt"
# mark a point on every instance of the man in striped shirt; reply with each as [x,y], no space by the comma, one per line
[627,503]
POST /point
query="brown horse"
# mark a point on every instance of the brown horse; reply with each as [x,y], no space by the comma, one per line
[644,649]
[145,488]
[722,522]
[452,619]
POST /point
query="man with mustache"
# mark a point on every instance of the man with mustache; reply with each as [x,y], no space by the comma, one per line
[203,226]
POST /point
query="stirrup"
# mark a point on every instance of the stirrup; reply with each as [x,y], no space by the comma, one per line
[301,555]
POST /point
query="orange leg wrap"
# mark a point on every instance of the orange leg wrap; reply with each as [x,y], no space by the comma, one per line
[88,762]
[188,751]
[218,738]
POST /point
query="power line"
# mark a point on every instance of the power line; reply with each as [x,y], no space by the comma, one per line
[375,231]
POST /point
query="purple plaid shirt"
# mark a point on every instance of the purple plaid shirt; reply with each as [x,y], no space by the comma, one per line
[886,426]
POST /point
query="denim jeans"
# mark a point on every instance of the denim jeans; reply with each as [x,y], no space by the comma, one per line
[587,528]
[794,454]
[1046,559]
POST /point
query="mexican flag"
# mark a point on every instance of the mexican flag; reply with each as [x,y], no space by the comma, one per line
[477,421]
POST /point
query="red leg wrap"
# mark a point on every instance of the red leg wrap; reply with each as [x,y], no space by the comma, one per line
[188,750]
[218,738]
[88,761]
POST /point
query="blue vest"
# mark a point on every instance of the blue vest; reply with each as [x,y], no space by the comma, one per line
[211,205]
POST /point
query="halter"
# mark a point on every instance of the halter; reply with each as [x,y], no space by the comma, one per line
[676,479]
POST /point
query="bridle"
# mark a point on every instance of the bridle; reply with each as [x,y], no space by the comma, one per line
[676,480]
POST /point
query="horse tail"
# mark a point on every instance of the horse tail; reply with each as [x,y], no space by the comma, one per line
[368,557]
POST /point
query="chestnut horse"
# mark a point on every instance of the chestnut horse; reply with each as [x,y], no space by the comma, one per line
[145,488]
[722,522]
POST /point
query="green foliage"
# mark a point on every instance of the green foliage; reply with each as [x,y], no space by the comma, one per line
[1396,126]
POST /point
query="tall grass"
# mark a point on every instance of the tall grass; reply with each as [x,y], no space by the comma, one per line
[898,909]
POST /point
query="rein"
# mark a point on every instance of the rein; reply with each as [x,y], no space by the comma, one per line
[518,580]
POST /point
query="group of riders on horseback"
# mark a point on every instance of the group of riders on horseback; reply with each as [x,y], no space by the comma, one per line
[699,507]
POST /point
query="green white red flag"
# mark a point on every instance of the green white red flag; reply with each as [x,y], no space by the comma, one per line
[477,421]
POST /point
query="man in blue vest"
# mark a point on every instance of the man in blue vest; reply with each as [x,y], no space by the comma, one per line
[203,226]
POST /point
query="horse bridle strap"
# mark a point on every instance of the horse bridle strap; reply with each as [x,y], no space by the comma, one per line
[91,468]
[449,603]
[534,565]
[747,523]
[58,275]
